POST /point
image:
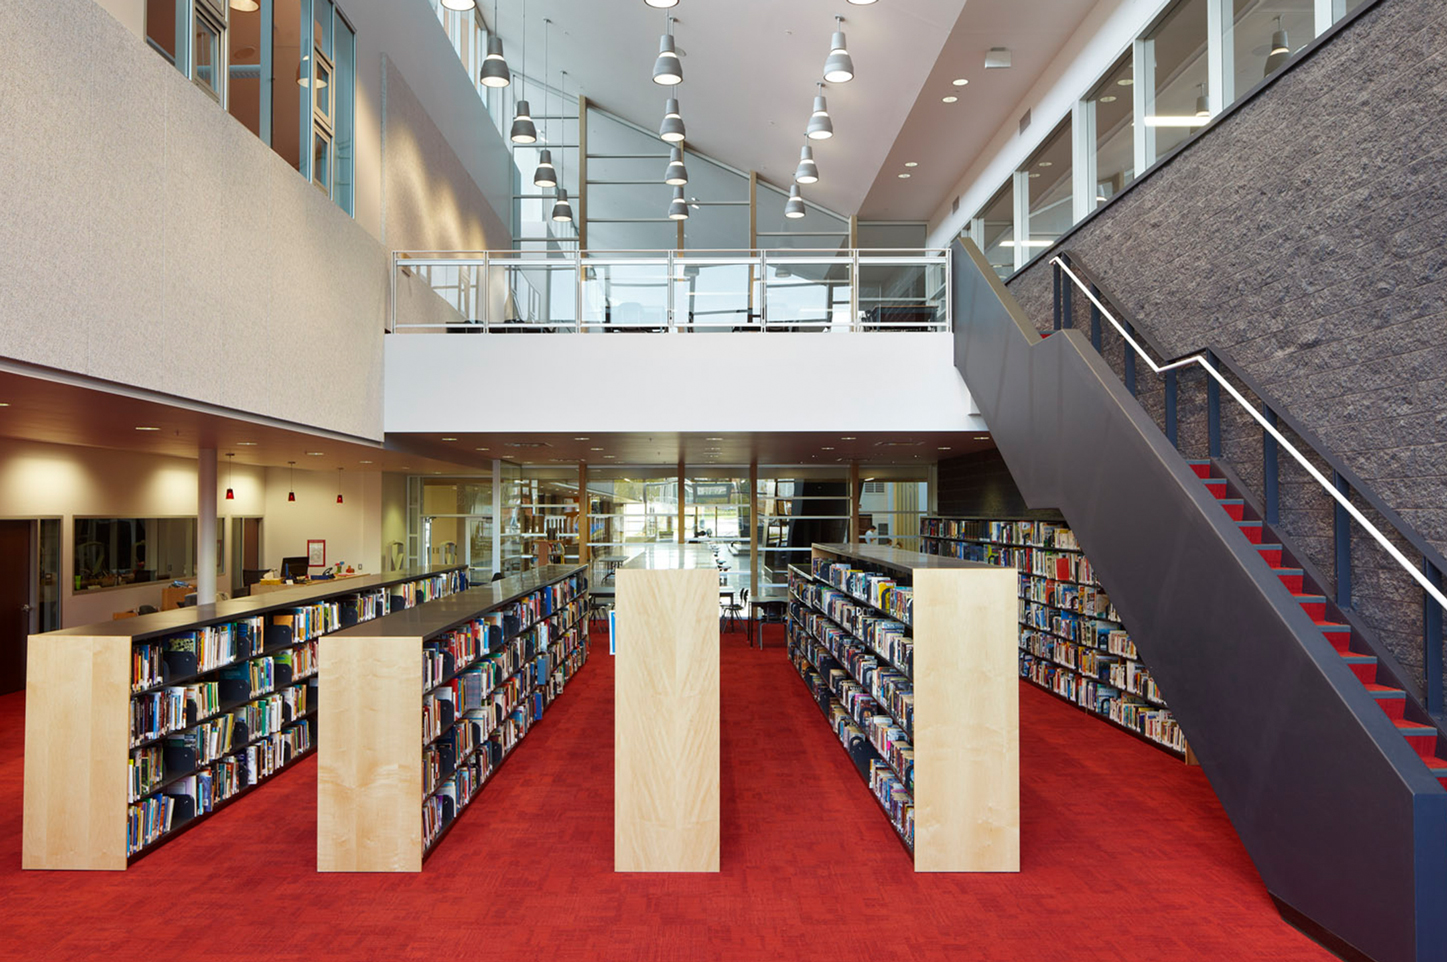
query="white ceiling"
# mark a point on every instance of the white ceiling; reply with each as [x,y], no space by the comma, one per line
[749,73]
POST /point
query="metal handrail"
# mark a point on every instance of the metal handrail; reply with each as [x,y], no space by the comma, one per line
[1198,359]
[757,292]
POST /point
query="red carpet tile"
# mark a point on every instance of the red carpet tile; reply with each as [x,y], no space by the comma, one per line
[1126,855]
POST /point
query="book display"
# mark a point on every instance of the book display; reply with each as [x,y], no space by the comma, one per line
[178,713]
[477,670]
[911,660]
[1072,642]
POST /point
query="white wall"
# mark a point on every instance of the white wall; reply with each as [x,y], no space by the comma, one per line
[1104,35]
[676,382]
[59,481]
[352,529]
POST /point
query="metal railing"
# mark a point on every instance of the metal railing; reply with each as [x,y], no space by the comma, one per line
[694,291]
[1270,416]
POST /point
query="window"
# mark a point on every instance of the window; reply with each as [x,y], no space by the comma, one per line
[112,552]
[286,69]
[1171,72]
[794,513]
[894,509]
[1108,108]
[1252,36]
[1049,192]
[993,230]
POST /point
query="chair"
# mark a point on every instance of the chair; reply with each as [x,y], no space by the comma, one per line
[733,610]
[769,613]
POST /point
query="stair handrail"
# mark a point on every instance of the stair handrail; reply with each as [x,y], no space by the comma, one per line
[1198,359]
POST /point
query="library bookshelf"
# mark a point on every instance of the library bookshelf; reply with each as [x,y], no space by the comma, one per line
[911,658]
[139,729]
[666,712]
[423,706]
[1072,642]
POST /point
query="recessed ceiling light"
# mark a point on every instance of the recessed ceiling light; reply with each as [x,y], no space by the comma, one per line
[826,448]
[479,449]
[147,429]
[904,176]
[849,438]
[449,439]
[1125,81]
[1047,163]
[4,404]
[246,444]
[314,454]
[364,462]
[1033,176]
[944,447]
[950,99]
[1108,99]
[959,81]
[610,455]
[911,163]
[595,449]
[582,439]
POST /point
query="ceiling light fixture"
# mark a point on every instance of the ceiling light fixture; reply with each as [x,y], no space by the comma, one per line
[667,69]
[949,100]
[911,163]
[449,439]
[480,449]
[546,176]
[849,438]
[562,209]
[838,66]
[339,485]
[147,429]
[677,174]
[794,206]
[595,449]
[524,131]
[304,74]
[246,444]
[661,4]
[582,439]
[1125,81]
[678,208]
[1108,99]
[1280,50]
[251,6]
[672,129]
[821,126]
[451,4]
[1203,104]
[314,454]
[959,81]
[364,462]
[230,476]
[903,176]
[291,485]
[494,69]
[807,172]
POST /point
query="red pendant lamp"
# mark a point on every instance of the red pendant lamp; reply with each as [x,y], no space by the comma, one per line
[291,488]
[230,475]
[339,485]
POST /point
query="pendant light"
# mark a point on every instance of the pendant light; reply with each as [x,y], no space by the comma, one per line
[245,6]
[672,129]
[230,476]
[820,126]
[660,4]
[861,3]
[562,210]
[467,4]
[494,68]
[291,486]
[1203,103]
[838,66]
[304,74]
[794,206]
[667,69]
[339,485]
[678,210]
[523,130]
[807,172]
[677,173]
[1280,50]
[546,175]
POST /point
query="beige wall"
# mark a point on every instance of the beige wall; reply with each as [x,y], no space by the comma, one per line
[394,512]
[352,529]
[131,14]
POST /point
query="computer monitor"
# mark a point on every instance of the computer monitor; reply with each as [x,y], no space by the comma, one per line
[293,568]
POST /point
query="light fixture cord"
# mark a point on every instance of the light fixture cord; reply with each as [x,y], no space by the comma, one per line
[547,123]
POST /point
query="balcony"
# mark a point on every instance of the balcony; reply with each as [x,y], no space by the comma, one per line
[664,291]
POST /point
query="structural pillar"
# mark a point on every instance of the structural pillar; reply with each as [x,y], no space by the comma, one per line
[206,526]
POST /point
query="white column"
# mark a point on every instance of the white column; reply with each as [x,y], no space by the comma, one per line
[206,526]
[1082,135]
[1144,97]
[1328,12]
[1021,180]
[1220,54]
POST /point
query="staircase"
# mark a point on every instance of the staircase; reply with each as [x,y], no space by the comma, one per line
[1328,765]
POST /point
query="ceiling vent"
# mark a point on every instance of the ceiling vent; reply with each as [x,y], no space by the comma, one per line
[998,58]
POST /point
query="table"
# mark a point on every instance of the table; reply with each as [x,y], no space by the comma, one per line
[764,599]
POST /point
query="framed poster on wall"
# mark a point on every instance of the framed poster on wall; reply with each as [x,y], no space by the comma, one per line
[316,553]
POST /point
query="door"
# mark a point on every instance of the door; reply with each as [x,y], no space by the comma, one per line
[16,578]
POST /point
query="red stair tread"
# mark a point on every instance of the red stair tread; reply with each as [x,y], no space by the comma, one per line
[1435,763]
[1386,691]
[1202,468]
[1413,729]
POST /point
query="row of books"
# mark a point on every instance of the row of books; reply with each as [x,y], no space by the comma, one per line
[145,771]
[886,636]
[1044,562]
[885,684]
[893,797]
[1124,708]
[310,621]
[1068,596]
[208,648]
[872,588]
[147,821]
[1029,534]
[301,660]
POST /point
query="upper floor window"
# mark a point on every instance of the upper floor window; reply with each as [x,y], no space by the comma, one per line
[286,69]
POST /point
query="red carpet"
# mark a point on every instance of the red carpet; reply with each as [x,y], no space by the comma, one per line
[1126,855]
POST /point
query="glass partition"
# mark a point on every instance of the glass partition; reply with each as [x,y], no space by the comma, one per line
[1176,100]
[795,512]
[110,552]
[993,230]
[1113,145]
[892,509]
[1050,190]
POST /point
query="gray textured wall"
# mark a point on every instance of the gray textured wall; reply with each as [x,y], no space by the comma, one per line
[150,239]
[1307,235]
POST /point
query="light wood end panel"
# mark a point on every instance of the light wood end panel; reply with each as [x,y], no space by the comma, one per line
[666,725]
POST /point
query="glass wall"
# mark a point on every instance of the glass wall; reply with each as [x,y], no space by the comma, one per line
[109,552]
[286,69]
[1194,59]
[457,524]
[893,509]
[796,509]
